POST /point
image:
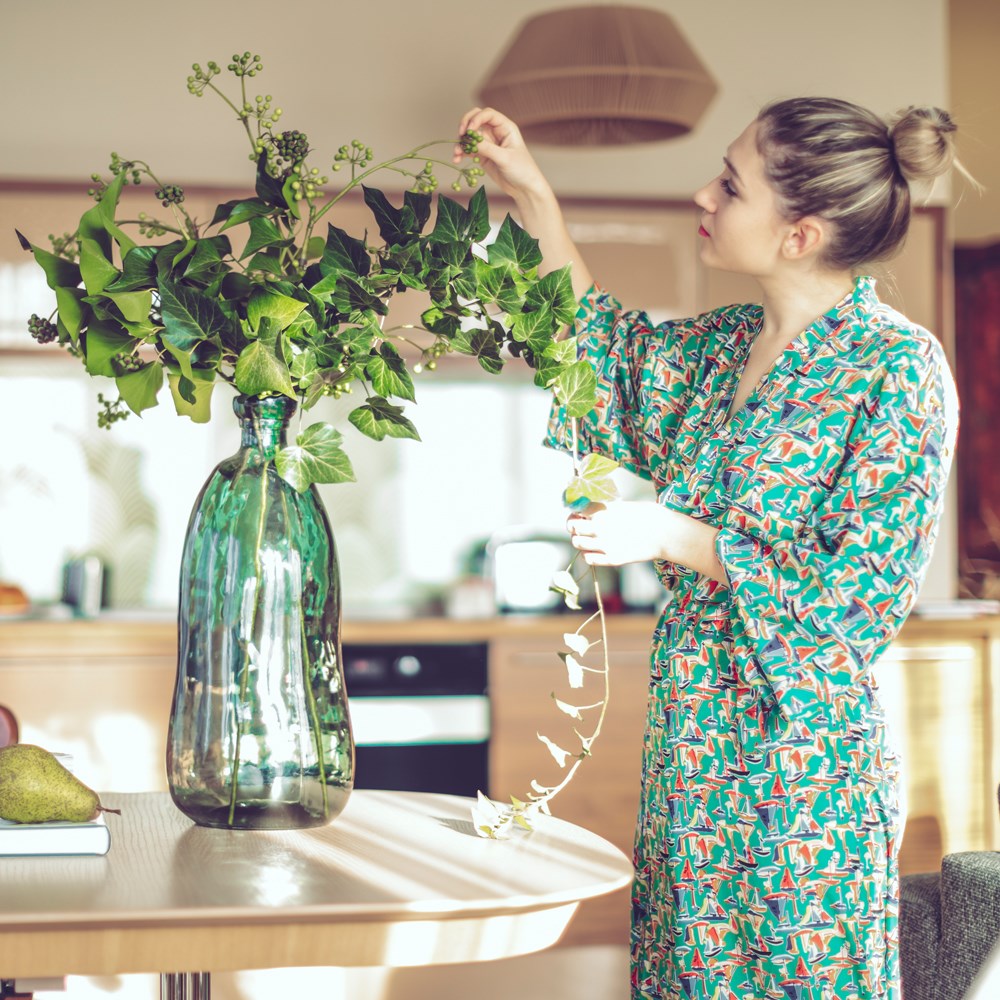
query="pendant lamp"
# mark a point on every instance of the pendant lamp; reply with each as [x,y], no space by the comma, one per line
[599,76]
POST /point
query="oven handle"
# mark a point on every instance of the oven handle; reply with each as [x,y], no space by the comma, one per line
[420,720]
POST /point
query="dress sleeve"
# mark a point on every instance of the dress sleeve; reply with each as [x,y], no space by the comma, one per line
[644,375]
[811,616]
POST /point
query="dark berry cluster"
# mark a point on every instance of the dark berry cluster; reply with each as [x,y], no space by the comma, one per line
[126,361]
[292,145]
[43,330]
[170,194]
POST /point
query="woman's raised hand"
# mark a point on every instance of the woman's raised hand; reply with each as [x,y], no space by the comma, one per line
[503,153]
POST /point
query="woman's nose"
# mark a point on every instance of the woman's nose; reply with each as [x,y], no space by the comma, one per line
[703,198]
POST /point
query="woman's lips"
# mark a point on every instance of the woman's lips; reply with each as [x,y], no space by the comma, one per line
[702,231]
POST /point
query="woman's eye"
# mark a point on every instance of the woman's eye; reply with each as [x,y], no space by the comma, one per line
[727,187]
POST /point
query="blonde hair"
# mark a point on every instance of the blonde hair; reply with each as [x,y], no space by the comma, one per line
[841,162]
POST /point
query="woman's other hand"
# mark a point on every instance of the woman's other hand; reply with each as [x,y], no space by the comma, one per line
[626,531]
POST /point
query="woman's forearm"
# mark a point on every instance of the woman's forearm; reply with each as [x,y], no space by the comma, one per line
[691,543]
[543,218]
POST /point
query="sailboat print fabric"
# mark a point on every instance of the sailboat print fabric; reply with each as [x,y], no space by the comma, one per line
[768,831]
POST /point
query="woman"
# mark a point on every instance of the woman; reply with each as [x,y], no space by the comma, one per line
[799,450]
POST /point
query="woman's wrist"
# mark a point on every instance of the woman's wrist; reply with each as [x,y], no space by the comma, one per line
[691,543]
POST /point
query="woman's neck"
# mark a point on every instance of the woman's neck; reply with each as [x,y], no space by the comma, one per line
[793,303]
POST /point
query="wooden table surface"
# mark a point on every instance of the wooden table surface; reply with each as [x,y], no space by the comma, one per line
[398,879]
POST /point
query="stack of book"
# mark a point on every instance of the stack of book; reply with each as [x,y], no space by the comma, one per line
[36,839]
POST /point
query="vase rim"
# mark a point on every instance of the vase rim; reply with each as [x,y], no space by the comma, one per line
[278,405]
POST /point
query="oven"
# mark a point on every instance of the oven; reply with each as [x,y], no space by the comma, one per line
[421,716]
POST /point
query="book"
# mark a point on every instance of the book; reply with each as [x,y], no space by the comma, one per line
[39,839]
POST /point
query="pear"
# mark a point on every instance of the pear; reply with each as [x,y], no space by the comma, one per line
[36,788]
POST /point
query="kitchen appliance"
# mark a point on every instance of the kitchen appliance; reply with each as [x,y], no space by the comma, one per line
[421,716]
[522,560]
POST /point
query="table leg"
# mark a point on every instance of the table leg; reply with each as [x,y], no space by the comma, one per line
[185,986]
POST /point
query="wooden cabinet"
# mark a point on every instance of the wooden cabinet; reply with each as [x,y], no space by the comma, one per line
[604,794]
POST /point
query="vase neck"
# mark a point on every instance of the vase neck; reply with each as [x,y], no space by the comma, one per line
[264,422]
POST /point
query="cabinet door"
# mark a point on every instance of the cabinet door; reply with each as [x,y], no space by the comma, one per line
[604,794]
[937,697]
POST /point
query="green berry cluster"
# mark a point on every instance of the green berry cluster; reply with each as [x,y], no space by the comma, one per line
[244,65]
[97,191]
[119,166]
[111,411]
[357,154]
[149,226]
[429,356]
[196,84]
[43,330]
[170,194]
[425,182]
[65,246]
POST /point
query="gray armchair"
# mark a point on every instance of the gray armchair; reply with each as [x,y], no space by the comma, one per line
[949,922]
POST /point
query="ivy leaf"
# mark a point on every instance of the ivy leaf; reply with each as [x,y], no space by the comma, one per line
[534,328]
[281,308]
[344,254]
[555,291]
[593,482]
[579,644]
[59,273]
[138,270]
[514,246]
[103,341]
[264,234]
[479,216]
[267,260]
[561,352]
[576,389]
[139,388]
[98,272]
[452,223]
[261,367]
[268,187]
[207,257]
[558,754]
[398,226]
[388,373]
[563,583]
[238,211]
[72,310]
[316,457]
[192,396]
[190,316]
[484,346]
[571,710]
[574,670]
[134,306]
[379,419]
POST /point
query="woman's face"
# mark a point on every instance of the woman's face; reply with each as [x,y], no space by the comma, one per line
[741,228]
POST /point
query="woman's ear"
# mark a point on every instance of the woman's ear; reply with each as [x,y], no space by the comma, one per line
[805,238]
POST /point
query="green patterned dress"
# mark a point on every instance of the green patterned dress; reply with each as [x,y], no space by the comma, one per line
[768,830]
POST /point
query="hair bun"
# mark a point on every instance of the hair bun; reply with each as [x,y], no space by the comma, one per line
[922,142]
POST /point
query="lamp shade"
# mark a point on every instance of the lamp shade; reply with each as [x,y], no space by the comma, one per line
[599,76]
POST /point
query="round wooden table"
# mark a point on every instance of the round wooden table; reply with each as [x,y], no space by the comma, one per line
[398,879]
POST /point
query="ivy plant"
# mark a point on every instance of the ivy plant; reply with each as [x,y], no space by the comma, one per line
[272,297]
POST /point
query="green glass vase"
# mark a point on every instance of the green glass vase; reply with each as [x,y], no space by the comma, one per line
[260,733]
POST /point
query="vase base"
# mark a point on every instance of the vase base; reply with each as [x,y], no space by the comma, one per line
[265,815]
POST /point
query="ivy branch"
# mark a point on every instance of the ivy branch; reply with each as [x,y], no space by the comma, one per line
[591,483]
